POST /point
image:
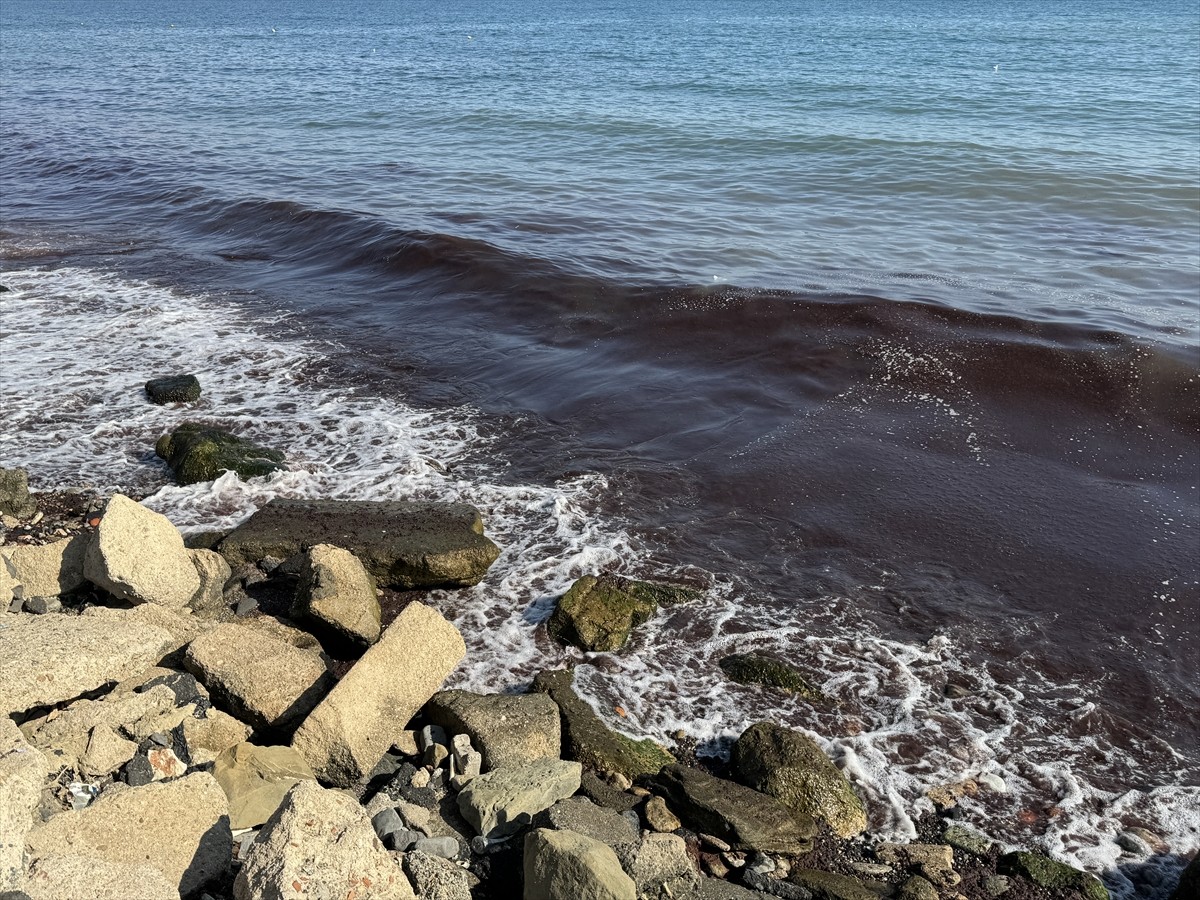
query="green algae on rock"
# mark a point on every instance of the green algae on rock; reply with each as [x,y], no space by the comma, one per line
[755,668]
[173,389]
[1052,875]
[598,612]
[197,452]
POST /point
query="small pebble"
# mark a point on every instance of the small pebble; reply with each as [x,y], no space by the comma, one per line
[43,605]
[714,843]
[445,847]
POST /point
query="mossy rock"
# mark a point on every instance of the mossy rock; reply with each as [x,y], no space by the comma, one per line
[198,453]
[1054,876]
[588,740]
[791,768]
[755,668]
[598,613]
[173,389]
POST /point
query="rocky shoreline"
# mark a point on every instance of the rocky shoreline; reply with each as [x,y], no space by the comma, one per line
[262,714]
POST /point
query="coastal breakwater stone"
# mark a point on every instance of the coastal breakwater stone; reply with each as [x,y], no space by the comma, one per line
[213,572]
[173,389]
[338,593]
[48,570]
[794,770]
[319,843]
[349,731]
[14,494]
[507,729]
[1052,875]
[46,660]
[586,739]
[137,555]
[65,877]
[180,828]
[404,545]
[197,452]
[22,771]
[504,801]
[598,612]
[256,779]
[660,866]
[562,864]
[745,818]
[261,679]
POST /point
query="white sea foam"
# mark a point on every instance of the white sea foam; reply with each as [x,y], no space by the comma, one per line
[78,344]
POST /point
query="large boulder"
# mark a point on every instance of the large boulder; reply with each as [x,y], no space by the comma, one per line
[173,389]
[14,494]
[262,680]
[48,570]
[794,770]
[404,545]
[197,452]
[504,801]
[1051,874]
[586,739]
[180,828]
[22,771]
[563,864]
[337,593]
[507,729]
[256,779]
[346,735]
[744,818]
[65,877]
[46,660]
[757,668]
[321,840]
[598,613]
[137,555]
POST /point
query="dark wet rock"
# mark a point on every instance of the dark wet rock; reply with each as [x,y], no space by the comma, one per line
[745,818]
[918,888]
[1052,875]
[604,794]
[404,545]
[589,741]
[828,886]
[507,729]
[792,768]
[1189,881]
[755,668]
[197,452]
[598,613]
[14,494]
[173,389]
[138,771]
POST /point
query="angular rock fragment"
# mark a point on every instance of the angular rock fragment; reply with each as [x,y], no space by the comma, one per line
[55,877]
[173,389]
[794,770]
[197,453]
[207,738]
[189,818]
[338,593]
[347,734]
[106,752]
[507,729]
[581,815]
[404,545]
[213,572]
[562,864]
[263,681]
[436,878]
[48,570]
[22,771]
[137,555]
[256,779]
[505,800]
[934,861]
[321,840]
[660,867]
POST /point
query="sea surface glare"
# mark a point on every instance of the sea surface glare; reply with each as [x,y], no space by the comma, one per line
[878,320]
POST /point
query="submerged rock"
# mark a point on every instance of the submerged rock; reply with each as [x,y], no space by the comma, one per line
[1052,875]
[404,545]
[173,389]
[794,770]
[755,668]
[598,613]
[197,452]
[590,741]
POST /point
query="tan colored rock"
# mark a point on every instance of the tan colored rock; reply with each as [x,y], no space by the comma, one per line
[508,729]
[106,752]
[213,572]
[659,816]
[321,840]
[46,660]
[67,732]
[563,864]
[347,734]
[505,800]
[934,861]
[282,631]
[137,555]
[48,570]
[179,623]
[10,585]
[256,779]
[660,866]
[180,828]
[22,771]
[67,877]
[338,593]
[159,722]
[263,681]
[208,738]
